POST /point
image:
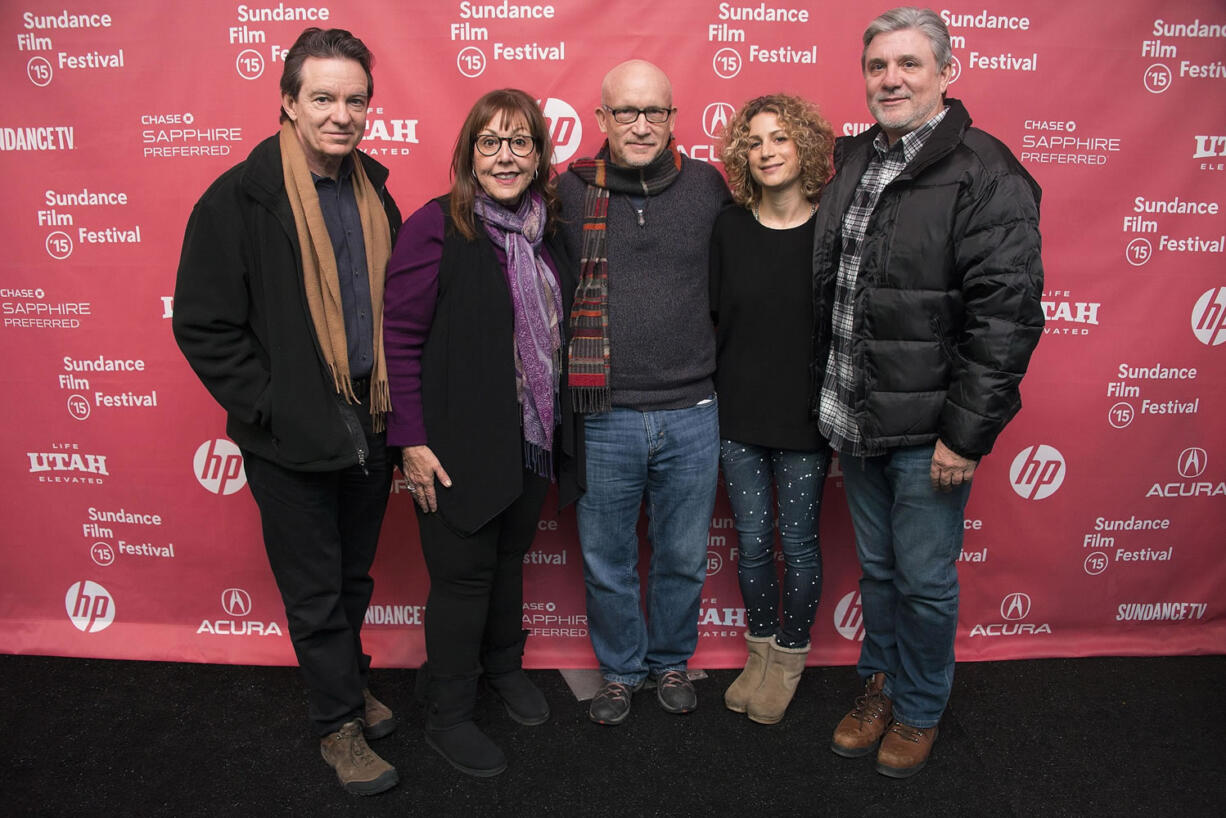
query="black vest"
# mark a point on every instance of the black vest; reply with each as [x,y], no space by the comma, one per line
[472,416]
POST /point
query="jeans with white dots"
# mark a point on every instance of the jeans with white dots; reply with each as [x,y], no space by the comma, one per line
[758,479]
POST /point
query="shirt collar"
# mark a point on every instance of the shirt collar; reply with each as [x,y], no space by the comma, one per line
[345,172]
[911,142]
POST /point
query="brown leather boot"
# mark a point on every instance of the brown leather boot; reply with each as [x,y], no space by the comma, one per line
[379,720]
[862,728]
[783,669]
[736,697]
[905,750]
[359,769]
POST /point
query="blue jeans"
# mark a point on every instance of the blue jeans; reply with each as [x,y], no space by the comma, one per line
[798,479]
[670,459]
[908,537]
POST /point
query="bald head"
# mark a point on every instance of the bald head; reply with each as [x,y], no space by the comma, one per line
[635,86]
[636,76]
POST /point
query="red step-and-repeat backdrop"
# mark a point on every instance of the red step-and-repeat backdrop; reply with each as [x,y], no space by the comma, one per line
[1095,527]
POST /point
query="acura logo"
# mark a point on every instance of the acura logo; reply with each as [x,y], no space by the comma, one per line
[236,602]
[1192,462]
[1015,606]
[715,118]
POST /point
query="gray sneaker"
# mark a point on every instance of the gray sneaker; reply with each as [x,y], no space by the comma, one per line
[676,692]
[611,704]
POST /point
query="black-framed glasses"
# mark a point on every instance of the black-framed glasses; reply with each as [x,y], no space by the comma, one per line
[627,116]
[488,145]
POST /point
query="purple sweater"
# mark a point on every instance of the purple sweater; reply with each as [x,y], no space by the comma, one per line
[409,300]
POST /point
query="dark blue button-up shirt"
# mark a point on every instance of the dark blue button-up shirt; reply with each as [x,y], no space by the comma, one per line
[340,212]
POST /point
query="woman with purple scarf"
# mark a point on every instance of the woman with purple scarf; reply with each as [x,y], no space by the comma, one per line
[477,295]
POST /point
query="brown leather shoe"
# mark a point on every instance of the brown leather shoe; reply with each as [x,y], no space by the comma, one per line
[862,728]
[379,719]
[358,768]
[905,749]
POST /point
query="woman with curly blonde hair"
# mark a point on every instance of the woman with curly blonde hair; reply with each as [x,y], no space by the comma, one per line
[777,156]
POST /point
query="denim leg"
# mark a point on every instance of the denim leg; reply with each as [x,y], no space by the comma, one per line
[908,537]
[607,516]
[683,470]
[800,478]
[747,476]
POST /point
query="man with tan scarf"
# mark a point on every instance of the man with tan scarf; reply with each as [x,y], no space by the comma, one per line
[278,309]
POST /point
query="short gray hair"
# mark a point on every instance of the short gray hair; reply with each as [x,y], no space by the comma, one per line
[926,21]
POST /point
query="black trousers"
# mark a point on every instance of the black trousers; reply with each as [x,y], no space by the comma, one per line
[320,533]
[476,601]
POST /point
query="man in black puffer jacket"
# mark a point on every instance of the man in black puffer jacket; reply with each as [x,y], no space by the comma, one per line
[927,281]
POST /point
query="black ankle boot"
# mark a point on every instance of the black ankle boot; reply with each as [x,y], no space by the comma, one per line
[524,701]
[504,673]
[450,729]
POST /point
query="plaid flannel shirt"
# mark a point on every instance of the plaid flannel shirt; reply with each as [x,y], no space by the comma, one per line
[835,418]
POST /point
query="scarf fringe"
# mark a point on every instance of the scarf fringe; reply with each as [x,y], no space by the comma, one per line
[591,400]
[538,460]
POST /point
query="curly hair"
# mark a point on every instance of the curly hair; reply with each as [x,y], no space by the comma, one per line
[812,134]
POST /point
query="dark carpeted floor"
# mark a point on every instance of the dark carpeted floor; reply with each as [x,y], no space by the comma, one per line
[1109,737]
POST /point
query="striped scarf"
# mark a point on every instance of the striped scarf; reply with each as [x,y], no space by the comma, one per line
[588,368]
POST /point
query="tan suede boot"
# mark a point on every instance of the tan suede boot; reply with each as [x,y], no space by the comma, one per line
[769,702]
[736,697]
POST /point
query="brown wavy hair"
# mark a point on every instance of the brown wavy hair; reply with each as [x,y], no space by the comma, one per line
[810,131]
[505,104]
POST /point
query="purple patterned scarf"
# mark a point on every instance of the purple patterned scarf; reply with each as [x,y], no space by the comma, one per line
[538,341]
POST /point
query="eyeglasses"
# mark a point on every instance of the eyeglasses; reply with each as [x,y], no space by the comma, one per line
[627,116]
[490,145]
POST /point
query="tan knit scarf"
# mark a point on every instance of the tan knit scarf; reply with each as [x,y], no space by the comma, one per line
[319,269]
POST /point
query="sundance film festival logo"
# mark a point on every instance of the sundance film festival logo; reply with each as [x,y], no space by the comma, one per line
[1209,317]
[89,606]
[1095,563]
[1037,472]
[715,563]
[219,466]
[849,617]
[565,128]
